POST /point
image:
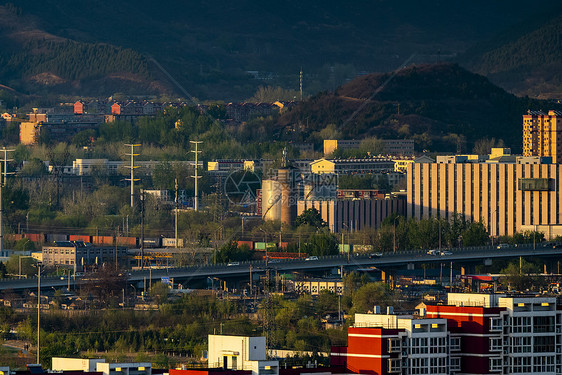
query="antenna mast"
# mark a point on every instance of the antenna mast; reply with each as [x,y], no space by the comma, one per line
[196,176]
[301,83]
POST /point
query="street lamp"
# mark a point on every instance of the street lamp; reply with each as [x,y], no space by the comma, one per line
[343,243]
[394,224]
[38,311]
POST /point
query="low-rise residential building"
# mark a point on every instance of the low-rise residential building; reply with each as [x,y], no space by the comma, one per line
[315,286]
[472,334]
[241,353]
[75,254]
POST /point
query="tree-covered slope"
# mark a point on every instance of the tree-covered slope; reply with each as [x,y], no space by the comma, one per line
[209,45]
[528,63]
[440,106]
[36,61]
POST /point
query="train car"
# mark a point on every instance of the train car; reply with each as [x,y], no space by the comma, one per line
[102,240]
[53,237]
[250,244]
[153,242]
[127,241]
[80,237]
[13,237]
[35,237]
[171,242]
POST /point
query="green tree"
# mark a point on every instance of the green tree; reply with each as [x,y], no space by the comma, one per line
[321,244]
[310,217]
[369,295]
[475,235]
[520,276]
[160,292]
[27,265]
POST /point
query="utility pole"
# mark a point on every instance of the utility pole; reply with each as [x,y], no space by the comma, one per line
[132,168]
[176,243]
[38,312]
[196,176]
[2,184]
[142,227]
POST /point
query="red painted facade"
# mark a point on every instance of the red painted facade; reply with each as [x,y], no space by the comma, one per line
[472,325]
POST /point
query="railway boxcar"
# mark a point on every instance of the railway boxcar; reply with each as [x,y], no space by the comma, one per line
[35,237]
[80,237]
[250,244]
[102,240]
[171,242]
[153,242]
[53,237]
[127,241]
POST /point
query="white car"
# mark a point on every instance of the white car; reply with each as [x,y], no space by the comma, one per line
[503,246]
[312,258]
[433,252]
[233,264]
[446,253]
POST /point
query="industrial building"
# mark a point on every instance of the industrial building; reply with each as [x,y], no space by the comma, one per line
[392,146]
[354,214]
[507,193]
[76,254]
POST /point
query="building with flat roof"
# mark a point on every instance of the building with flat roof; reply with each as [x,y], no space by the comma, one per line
[241,353]
[542,134]
[353,214]
[506,193]
[75,254]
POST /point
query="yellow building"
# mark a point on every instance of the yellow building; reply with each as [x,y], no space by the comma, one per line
[541,135]
[506,196]
[29,133]
[330,145]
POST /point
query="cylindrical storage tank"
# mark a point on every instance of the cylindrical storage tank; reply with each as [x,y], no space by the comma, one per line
[271,200]
[288,202]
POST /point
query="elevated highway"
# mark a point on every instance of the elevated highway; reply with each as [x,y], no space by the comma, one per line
[389,261]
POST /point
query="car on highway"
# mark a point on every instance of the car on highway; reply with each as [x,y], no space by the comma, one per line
[233,264]
[503,246]
[444,252]
[433,252]
[375,255]
[312,258]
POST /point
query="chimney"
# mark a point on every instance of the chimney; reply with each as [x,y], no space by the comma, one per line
[389,310]
[377,309]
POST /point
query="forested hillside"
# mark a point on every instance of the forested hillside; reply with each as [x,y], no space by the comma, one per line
[527,64]
[442,107]
[209,46]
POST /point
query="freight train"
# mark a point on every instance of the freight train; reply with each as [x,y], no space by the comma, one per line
[132,242]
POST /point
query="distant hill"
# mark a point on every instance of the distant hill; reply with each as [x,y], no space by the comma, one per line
[439,106]
[526,62]
[209,46]
[33,60]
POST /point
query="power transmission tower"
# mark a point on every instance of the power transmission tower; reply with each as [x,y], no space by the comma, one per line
[196,176]
[2,184]
[132,168]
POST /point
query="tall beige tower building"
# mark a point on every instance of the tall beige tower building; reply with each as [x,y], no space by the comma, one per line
[542,134]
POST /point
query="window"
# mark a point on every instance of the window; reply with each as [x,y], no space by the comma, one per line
[394,365]
[495,364]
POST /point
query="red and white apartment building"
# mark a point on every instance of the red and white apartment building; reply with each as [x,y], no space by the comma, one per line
[472,334]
